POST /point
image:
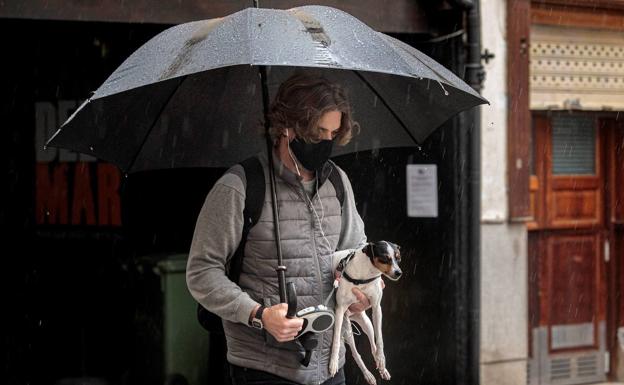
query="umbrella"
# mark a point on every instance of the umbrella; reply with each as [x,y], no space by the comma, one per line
[193,95]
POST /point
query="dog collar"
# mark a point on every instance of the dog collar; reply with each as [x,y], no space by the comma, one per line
[358,281]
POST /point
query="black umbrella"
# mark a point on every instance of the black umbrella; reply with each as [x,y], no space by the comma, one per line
[194,95]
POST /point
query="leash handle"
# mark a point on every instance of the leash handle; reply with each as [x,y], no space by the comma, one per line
[291,295]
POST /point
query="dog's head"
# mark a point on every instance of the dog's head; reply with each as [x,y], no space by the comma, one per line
[386,257]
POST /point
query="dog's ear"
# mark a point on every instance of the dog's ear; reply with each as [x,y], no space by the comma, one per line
[368,250]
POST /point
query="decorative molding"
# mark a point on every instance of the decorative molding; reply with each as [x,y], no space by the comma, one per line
[574,68]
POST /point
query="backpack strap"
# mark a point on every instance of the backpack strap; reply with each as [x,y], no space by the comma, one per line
[255,190]
[336,180]
[254,198]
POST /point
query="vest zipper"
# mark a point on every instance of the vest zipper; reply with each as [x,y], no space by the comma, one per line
[311,209]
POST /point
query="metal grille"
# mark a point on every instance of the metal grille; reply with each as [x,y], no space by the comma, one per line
[573,145]
[566,368]
[560,369]
[587,366]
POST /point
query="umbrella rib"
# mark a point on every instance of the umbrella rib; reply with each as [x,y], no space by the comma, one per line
[394,114]
[136,155]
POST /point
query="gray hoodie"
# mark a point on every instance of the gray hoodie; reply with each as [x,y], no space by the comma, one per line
[311,229]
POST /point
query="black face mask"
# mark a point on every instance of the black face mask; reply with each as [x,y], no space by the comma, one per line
[312,155]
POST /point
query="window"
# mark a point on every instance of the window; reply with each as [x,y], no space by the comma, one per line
[573,145]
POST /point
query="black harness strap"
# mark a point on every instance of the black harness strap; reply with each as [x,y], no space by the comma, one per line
[359,281]
[336,180]
[344,261]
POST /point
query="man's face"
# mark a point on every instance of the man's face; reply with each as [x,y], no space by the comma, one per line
[329,124]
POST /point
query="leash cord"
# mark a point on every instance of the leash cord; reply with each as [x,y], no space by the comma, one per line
[329,296]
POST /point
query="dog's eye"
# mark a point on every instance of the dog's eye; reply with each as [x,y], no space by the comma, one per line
[385,260]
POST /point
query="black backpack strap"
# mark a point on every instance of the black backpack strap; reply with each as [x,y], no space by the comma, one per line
[336,180]
[255,190]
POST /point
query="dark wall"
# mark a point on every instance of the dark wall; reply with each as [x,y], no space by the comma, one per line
[73,297]
[83,302]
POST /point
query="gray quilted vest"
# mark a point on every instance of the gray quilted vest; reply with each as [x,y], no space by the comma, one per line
[307,250]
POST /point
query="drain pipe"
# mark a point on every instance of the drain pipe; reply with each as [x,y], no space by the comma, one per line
[469,287]
[474,77]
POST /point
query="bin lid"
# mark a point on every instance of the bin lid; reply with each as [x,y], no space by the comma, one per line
[175,263]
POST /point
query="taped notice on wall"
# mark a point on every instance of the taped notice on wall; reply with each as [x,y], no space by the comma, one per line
[422,190]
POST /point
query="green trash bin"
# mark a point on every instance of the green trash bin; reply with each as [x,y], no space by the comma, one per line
[186,343]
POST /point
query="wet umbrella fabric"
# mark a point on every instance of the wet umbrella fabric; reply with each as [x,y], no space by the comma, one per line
[192,96]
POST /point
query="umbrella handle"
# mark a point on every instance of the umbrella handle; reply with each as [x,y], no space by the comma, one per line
[291,294]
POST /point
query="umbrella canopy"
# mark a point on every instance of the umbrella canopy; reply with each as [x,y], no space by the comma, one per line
[192,96]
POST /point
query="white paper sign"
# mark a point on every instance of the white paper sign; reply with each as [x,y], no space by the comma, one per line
[422,190]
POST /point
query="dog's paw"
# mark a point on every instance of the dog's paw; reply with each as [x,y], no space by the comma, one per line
[333,366]
[385,374]
[380,361]
[370,378]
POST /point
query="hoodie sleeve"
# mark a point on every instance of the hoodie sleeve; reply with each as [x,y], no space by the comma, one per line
[218,232]
[352,235]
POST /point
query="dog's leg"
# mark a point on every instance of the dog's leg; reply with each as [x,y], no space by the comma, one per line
[370,378]
[380,358]
[333,360]
[367,326]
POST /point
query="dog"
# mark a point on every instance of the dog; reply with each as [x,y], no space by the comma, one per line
[363,269]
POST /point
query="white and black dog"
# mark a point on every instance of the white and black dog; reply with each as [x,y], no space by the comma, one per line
[363,269]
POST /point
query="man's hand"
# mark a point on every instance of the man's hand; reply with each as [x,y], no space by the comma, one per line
[363,303]
[282,328]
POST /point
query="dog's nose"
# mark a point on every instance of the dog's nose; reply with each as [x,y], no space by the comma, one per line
[397,273]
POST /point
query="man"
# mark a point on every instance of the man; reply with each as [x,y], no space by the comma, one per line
[309,114]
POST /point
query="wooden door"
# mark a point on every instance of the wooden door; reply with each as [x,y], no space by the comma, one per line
[615,222]
[567,249]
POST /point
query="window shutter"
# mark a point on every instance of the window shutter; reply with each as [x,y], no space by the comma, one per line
[573,145]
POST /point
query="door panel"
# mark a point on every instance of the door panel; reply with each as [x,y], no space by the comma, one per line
[572,171]
[573,300]
[615,166]
[567,242]
[575,208]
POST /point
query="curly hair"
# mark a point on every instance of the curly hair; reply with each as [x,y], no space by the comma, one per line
[300,103]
